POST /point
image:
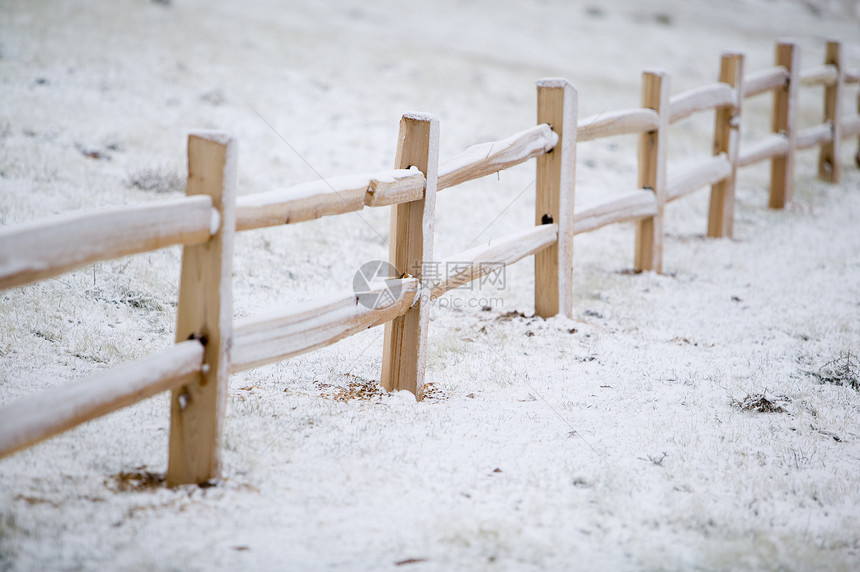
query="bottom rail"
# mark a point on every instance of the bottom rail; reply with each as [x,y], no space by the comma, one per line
[474,263]
[305,327]
[701,174]
[624,206]
[772,146]
[850,126]
[39,417]
[813,136]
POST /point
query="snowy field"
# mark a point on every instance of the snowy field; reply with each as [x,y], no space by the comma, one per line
[622,439]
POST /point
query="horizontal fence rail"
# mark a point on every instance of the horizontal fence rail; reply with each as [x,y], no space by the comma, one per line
[209,345]
[703,173]
[621,207]
[36,418]
[627,121]
[767,148]
[334,196]
[822,75]
[701,99]
[765,80]
[294,331]
[813,136]
[488,158]
[48,247]
[478,262]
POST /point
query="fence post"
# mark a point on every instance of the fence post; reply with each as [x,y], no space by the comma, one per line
[410,245]
[205,312]
[554,188]
[784,116]
[656,86]
[829,166]
[857,156]
[727,136]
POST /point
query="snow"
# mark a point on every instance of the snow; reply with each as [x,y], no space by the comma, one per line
[616,434]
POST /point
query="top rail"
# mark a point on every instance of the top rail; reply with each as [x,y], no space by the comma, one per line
[621,122]
[487,158]
[47,247]
[701,99]
[333,196]
[765,80]
[821,75]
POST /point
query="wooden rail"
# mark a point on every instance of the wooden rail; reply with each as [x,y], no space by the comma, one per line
[48,247]
[822,75]
[697,175]
[813,136]
[765,80]
[701,99]
[334,196]
[38,417]
[767,148]
[626,121]
[621,207]
[477,262]
[850,126]
[487,158]
[313,325]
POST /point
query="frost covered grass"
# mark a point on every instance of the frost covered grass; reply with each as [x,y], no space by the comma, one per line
[636,435]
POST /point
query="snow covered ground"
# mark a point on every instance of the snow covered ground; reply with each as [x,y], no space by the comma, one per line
[613,441]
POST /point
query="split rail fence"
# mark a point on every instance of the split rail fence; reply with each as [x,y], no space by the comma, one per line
[209,345]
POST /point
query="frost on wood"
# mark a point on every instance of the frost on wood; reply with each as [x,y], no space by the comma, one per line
[336,195]
[44,248]
[41,416]
[304,327]
[487,158]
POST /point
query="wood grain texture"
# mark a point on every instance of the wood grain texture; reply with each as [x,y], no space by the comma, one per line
[783,122]
[727,136]
[814,136]
[651,154]
[765,80]
[39,417]
[692,177]
[767,148]
[850,126]
[623,122]
[304,327]
[829,164]
[487,158]
[702,98]
[478,262]
[620,207]
[48,247]
[554,188]
[410,244]
[825,75]
[205,312]
[333,196]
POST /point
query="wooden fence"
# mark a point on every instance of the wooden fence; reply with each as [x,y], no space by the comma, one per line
[209,346]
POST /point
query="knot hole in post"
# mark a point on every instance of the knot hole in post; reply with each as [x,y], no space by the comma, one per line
[546,219]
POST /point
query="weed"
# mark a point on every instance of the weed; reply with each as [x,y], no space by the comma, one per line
[135,481]
[758,402]
[844,370]
[156,179]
